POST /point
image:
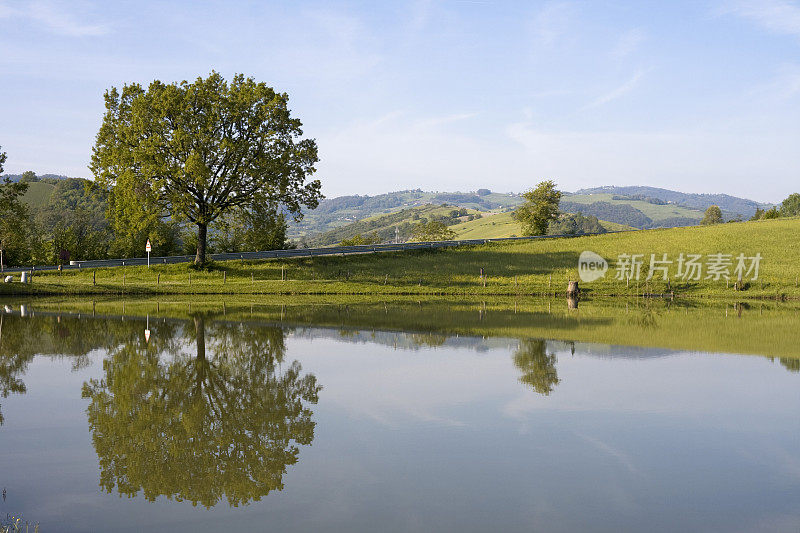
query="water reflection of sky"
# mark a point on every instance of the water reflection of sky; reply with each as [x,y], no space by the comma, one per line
[448,438]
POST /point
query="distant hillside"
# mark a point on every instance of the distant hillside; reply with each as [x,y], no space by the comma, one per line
[17,177]
[383,226]
[730,204]
[472,225]
[639,212]
[342,210]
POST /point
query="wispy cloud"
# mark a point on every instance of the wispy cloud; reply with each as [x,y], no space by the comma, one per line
[550,23]
[780,16]
[618,92]
[54,19]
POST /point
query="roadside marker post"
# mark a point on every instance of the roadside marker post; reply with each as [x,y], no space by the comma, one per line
[149,248]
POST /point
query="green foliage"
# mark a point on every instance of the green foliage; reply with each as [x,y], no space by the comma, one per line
[791,205]
[539,209]
[771,213]
[433,230]
[257,228]
[195,151]
[29,176]
[713,215]
[575,224]
[360,240]
[15,232]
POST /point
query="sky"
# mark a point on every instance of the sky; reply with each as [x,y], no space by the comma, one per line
[699,96]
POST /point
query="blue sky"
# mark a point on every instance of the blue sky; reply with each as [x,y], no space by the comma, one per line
[700,96]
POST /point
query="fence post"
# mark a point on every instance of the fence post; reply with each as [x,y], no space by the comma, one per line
[224,276]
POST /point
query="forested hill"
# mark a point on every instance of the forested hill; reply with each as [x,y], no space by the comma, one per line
[726,202]
[639,207]
[336,212]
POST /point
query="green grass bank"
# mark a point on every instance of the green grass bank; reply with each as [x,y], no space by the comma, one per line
[510,268]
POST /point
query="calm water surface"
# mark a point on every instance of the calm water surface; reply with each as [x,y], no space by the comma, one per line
[219,423]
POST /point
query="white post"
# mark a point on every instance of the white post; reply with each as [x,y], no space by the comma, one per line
[148,259]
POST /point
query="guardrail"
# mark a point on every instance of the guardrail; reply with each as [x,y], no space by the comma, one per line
[296,252]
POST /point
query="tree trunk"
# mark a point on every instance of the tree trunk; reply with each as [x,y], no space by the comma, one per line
[202,234]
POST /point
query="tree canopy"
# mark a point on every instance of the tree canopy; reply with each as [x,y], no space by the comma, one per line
[14,230]
[540,208]
[195,151]
[433,230]
[713,215]
[791,205]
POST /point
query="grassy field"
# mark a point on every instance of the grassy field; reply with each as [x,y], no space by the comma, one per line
[511,268]
[38,193]
[492,226]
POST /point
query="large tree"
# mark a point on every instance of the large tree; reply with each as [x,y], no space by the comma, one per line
[539,209]
[194,151]
[713,215]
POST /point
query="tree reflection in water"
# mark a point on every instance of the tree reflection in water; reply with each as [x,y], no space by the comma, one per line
[222,422]
[538,367]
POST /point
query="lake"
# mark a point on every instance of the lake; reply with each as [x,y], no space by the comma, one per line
[411,415]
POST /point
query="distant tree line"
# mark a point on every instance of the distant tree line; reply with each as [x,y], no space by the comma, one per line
[790,207]
[640,197]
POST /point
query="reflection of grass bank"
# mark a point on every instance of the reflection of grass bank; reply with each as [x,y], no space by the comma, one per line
[763,328]
[513,268]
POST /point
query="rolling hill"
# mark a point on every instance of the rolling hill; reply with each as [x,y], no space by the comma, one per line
[474,225]
[336,212]
[726,202]
[638,207]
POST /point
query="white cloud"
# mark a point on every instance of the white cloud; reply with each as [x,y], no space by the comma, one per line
[779,16]
[550,23]
[53,19]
